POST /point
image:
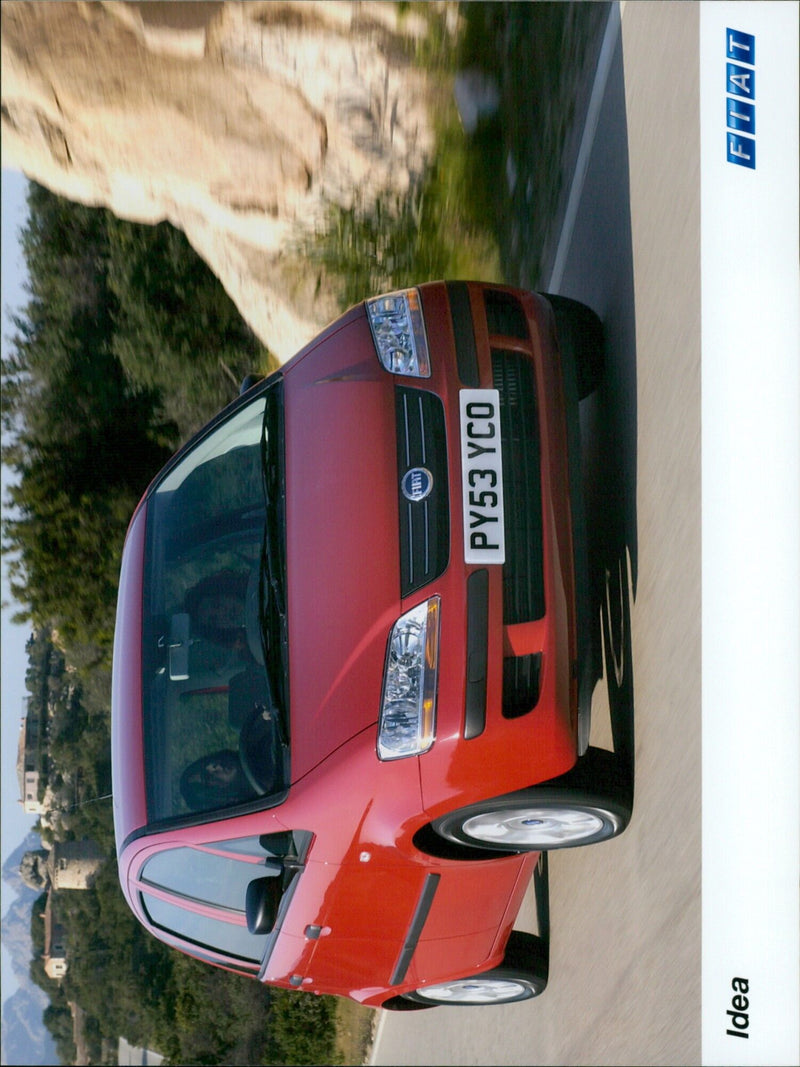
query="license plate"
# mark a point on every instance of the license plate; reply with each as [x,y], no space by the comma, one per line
[482,476]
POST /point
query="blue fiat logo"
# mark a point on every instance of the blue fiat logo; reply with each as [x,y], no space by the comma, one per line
[416,484]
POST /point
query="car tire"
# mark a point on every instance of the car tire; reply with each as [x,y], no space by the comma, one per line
[590,804]
[521,976]
[580,335]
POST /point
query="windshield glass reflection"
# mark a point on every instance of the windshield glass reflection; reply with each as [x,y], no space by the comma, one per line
[214,735]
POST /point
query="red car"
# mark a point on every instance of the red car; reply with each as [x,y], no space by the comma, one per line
[352,666]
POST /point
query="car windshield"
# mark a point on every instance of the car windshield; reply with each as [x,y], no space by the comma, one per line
[214,657]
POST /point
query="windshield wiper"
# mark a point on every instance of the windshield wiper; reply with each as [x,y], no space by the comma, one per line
[272,576]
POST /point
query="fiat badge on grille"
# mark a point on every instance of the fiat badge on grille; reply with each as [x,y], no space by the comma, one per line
[416,484]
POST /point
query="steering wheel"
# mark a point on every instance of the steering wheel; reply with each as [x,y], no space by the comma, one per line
[252,615]
[259,749]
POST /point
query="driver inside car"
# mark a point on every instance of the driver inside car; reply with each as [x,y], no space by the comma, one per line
[216,605]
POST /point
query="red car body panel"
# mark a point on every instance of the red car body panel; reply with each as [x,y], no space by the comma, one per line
[363,875]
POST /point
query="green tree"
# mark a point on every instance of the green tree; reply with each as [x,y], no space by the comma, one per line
[301,1028]
[126,345]
[82,443]
[176,330]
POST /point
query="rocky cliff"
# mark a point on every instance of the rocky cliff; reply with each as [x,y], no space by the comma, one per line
[237,122]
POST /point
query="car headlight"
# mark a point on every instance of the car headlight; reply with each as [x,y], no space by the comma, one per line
[407,724]
[398,330]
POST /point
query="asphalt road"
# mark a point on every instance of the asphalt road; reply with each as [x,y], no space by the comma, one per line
[625,964]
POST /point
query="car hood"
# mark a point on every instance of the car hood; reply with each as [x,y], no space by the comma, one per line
[342,539]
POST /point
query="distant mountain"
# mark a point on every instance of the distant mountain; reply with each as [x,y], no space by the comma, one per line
[24,1038]
[16,928]
[17,934]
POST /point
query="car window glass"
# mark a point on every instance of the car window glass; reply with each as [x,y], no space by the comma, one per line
[204,676]
[231,939]
[275,845]
[240,431]
[289,845]
[240,846]
[203,876]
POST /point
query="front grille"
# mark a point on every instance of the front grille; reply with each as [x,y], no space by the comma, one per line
[523,579]
[520,684]
[504,314]
[421,454]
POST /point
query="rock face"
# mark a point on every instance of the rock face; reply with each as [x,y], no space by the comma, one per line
[237,122]
[33,869]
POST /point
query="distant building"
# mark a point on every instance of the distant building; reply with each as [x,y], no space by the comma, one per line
[55,941]
[29,761]
[74,864]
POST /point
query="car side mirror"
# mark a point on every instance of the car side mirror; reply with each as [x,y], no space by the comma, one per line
[249,381]
[261,904]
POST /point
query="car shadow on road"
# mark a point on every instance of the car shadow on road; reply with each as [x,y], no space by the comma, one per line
[608,438]
[600,271]
[546,62]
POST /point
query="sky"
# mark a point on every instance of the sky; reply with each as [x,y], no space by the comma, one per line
[15,823]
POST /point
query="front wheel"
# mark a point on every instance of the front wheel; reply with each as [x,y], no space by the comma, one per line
[494,987]
[521,976]
[590,804]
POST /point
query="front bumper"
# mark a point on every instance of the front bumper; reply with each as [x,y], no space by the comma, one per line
[507,704]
